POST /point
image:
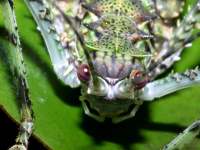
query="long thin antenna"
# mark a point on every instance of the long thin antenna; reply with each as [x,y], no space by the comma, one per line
[71,21]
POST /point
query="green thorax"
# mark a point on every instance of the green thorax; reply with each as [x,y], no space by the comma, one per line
[117,21]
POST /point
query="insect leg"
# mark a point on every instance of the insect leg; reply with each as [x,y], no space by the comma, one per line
[172,49]
[185,137]
[170,84]
[19,73]
[168,10]
[52,28]
[130,115]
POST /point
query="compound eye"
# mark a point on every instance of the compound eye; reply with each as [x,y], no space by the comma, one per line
[138,78]
[83,72]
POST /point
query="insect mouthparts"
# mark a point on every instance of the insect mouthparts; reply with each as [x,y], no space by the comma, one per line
[112,81]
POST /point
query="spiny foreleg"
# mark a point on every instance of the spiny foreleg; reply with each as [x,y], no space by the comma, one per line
[170,84]
[172,48]
[59,43]
[19,73]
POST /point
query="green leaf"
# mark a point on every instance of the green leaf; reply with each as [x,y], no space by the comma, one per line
[59,119]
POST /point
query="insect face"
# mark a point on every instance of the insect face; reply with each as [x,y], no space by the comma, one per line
[108,97]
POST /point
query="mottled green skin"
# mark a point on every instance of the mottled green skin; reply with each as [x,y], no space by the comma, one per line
[117,22]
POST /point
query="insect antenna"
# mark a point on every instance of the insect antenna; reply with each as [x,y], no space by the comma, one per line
[91,8]
[72,22]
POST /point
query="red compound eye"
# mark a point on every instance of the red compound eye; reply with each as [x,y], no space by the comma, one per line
[83,72]
[138,78]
